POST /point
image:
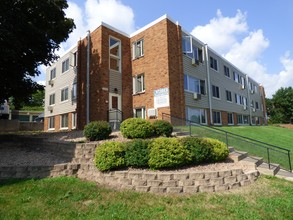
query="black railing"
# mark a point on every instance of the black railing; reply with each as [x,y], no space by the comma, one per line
[271,154]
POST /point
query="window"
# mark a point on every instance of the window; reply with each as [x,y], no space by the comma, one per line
[196,53]
[256,105]
[138,49]
[196,115]
[75,59]
[239,119]
[226,71]
[74,91]
[245,119]
[115,54]
[193,84]
[51,124]
[239,79]
[244,101]
[65,65]
[73,120]
[217,117]
[214,63]
[187,44]
[64,121]
[52,99]
[53,74]
[64,94]
[216,91]
[229,96]
[230,119]
[238,99]
[138,84]
[139,112]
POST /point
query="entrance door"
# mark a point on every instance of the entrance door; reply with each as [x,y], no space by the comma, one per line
[114,101]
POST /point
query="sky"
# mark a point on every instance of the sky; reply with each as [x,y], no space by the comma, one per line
[254,35]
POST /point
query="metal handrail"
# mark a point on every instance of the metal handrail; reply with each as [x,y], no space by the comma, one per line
[117,111]
[246,139]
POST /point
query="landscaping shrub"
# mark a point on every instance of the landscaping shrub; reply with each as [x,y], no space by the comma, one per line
[137,153]
[109,156]
[97,130]
[168,153]
[136,128]
[219,150]
[162,128]
[200,153]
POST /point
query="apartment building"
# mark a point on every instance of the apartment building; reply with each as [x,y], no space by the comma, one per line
[158,69]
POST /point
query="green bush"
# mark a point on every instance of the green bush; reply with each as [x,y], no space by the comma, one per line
[200,153]
[137,153]
[97,130]
[162,128]
[219,150]
[109,156]
[136,128]
[168,153]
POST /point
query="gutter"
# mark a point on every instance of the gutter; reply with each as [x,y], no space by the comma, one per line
[209,84]
[88,79]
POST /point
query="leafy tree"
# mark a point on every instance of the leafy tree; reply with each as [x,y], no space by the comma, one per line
[280,107]
[30,33]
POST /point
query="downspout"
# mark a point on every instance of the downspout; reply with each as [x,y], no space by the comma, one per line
[209,83]
[248,100]
[88,79]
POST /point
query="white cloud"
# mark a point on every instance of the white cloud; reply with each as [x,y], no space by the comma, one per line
[230,36]
[222,31]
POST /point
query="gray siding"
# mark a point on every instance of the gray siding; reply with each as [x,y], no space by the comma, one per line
[115,81]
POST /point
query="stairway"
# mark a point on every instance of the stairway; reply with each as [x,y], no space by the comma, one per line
[261,166]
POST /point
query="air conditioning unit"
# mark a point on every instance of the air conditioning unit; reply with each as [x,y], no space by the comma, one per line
[196,96]
[253,109]
[194,62]
[152,112]
[252,91]
[242,87]
[244,107]
[51,82]
[50,108]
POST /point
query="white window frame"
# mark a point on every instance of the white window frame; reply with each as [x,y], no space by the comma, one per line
[138,48]
[65,65]
[51,121]
[136,84]
[53,73]
[214,63]
[220,118]
[74,91]
[230,113]
[227,91]
[257,105]
[227,72]
[242,121]
[61,121]
[61,94]
[52,95]
[143,112]
[202,113]
[113,56]
[73,120]
[218,91]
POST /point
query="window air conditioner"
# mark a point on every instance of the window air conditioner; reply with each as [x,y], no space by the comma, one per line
[244,107]
[196,96]
[242,87]
[253,109]
[152,112]
[252,91]
[194,62]
[50,108]
[51,82]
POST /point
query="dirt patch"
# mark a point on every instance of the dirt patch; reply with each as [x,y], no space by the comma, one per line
[288,126]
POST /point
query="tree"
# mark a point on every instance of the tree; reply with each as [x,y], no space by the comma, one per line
[281,106]
[30,33]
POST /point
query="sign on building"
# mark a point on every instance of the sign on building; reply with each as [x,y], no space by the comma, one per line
[161,98]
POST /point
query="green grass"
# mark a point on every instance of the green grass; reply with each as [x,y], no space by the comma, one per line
[70,198]
[278,136]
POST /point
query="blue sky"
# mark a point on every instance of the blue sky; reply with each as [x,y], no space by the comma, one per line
[256,36]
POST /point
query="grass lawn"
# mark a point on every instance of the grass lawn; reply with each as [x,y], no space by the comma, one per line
[70,198]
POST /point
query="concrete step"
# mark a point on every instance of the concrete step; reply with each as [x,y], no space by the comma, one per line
[231,149]
[180,133]
[264,168]
[238,155]
[256,160]
[285,174]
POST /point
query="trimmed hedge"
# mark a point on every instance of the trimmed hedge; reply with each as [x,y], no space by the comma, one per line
[110,155]
[162,128]
[97,130]
[168,153]
[136,128]
[219,150]
[137,153]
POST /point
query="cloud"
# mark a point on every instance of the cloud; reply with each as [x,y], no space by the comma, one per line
[230,36]
[222,31]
